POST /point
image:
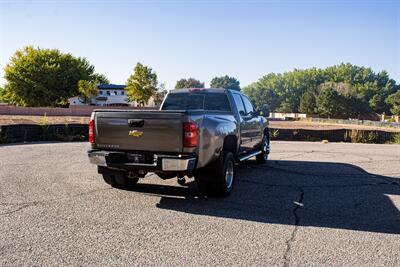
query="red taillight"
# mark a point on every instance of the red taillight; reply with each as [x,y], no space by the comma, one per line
[91,130]
[189,134]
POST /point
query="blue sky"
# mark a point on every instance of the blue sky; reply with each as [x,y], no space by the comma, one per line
[203,39]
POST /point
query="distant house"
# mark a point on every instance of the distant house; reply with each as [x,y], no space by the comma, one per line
[110,95]
[287,116]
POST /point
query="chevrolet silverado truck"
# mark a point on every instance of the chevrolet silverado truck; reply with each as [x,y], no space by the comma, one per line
[200,133]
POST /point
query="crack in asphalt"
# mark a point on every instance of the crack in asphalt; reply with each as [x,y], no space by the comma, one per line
[299,202]
[289,242]
[24,205]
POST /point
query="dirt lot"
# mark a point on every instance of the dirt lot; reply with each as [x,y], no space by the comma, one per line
[15,119]
[325,126]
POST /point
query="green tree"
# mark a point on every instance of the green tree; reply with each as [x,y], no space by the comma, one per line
[308,103]
[87,89]
[378,103]
[2,92]
[142,84]
[225,82]
[99,78]
[327,103]
[263,93]
[265,100]
[188,83]
[6,95]
[361,91]
[159,95]
[394,101]
[44,77]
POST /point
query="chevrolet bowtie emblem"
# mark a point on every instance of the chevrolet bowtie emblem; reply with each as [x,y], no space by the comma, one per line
[135,133]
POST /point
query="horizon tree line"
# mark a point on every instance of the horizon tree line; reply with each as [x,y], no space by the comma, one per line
[48,77]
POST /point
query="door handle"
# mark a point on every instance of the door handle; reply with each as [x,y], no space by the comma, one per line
[135,123]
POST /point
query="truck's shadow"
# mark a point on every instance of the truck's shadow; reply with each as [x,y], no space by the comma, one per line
[319,194]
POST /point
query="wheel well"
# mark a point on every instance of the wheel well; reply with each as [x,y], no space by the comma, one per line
[266,131]
[230,144]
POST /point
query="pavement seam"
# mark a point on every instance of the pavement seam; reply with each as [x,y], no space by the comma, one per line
[18,209]
[34,203]
[296,226]
[297,155]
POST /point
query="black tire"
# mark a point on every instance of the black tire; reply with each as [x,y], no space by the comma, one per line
[119,179]
[218,178]
[263,157]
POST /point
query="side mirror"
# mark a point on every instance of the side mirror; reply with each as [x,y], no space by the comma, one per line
[242,113]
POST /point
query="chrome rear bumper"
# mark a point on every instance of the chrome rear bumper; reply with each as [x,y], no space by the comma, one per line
[160,162]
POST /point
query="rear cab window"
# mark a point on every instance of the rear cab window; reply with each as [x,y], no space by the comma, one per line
[197,101]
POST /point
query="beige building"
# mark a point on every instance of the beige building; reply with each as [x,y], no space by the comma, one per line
[111,95]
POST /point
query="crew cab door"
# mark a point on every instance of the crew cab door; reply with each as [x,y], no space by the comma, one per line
[250,128]
[253,126]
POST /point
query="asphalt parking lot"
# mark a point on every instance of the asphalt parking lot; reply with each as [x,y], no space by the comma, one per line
[311,204]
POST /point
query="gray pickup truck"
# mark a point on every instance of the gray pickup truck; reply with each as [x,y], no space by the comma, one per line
[197,132]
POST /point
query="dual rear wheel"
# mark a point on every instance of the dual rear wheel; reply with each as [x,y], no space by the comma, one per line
[218,178]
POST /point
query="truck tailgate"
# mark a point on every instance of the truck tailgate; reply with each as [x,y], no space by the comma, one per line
[159,131]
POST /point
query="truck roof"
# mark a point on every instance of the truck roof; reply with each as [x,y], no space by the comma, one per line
[188,90]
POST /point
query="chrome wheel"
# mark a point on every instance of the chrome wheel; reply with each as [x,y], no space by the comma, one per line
[265,149]
[263,156]
[229,174]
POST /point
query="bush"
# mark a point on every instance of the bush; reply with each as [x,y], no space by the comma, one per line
[274,134]
[396,138]
[360,136]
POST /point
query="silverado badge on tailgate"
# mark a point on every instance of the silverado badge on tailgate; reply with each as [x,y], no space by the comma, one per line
[135,133]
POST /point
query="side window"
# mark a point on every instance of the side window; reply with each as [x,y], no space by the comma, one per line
[248,105]
[239,104]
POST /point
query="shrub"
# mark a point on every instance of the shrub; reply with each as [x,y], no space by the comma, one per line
[3,137]
[360,136]
[396,138]
[274,134]
[45,127]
